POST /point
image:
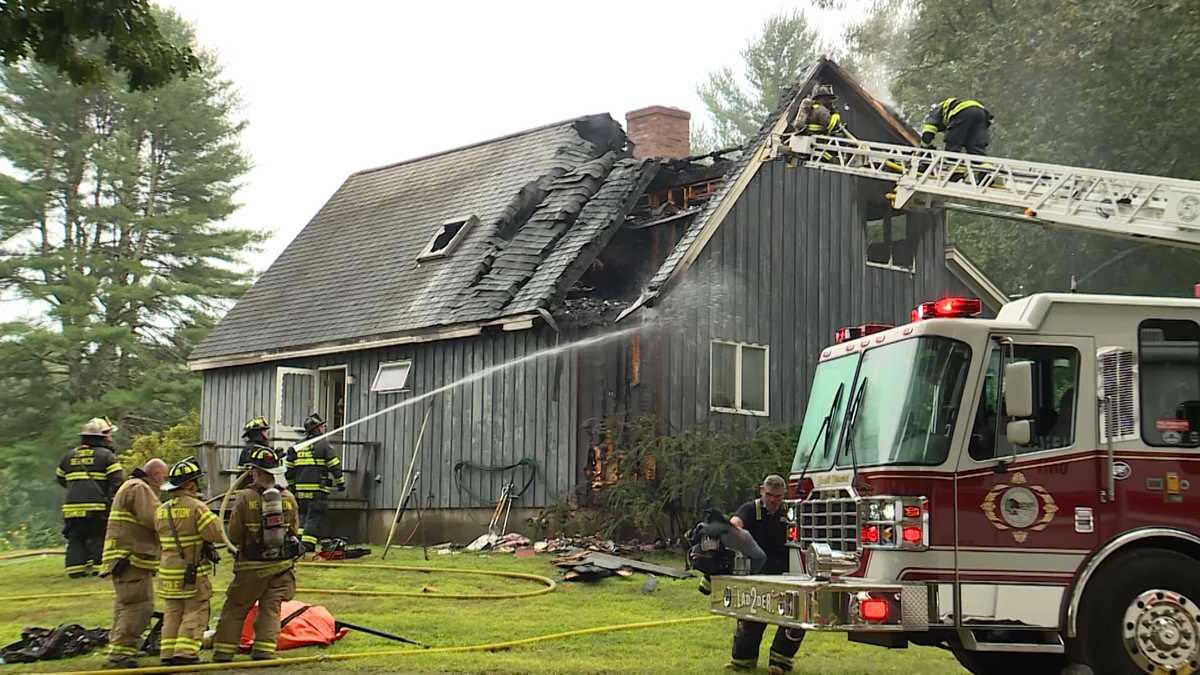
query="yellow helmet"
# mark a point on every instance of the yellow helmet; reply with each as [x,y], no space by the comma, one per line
[184,470]
[98,426]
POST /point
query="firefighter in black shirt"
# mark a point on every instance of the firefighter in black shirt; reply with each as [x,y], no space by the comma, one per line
[312,471]
[91,474]
[764,519]
[255,433]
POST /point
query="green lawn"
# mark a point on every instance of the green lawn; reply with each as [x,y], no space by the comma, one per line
[701,647]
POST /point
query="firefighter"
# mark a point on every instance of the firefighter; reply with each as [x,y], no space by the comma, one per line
[188,532]
[91,475]
[131,555]
[965,122]
[264,525]
[255,433]
[816,114]
[765,520]
[312,471]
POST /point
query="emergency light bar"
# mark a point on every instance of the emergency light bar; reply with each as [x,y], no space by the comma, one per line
[848,333]
[948,308]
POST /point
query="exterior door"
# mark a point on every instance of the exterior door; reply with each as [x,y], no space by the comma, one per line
[1026,514]
[296,397]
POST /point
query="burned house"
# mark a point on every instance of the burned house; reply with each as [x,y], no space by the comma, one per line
[424,272]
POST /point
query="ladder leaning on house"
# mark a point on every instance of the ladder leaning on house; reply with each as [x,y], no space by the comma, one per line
[1132,206]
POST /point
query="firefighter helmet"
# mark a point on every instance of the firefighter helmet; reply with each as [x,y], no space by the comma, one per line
[258,424]
[267,460]
[820,91]
[185,470]
[313,422]
[98,426]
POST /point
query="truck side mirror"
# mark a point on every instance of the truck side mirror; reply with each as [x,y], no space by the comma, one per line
[1020,432]
[1018,390]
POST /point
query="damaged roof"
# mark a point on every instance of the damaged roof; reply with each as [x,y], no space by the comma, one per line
[538,206]
[705,224]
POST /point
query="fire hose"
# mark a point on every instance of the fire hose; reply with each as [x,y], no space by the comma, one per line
[402,652]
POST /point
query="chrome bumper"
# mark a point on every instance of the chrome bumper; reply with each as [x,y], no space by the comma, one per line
[799,601]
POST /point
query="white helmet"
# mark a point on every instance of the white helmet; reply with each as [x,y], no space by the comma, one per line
[98,426]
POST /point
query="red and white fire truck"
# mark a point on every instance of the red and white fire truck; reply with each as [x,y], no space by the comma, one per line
[1018,489]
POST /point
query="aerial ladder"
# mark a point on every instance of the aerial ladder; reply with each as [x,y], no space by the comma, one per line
[1132,206]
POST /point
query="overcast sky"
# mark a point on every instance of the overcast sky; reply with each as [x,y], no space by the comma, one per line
[330,88]
[328,93]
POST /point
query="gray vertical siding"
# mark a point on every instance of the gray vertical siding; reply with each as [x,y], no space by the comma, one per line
[786,269]
[522,412]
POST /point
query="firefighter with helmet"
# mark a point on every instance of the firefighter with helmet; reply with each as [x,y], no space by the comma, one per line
[255,434]
[313,469]
[965,122]
[264,526]
[91,474]
[816,115]
[765,520]
[189,533]
[131,554]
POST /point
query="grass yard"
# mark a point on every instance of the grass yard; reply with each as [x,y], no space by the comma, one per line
[701,647]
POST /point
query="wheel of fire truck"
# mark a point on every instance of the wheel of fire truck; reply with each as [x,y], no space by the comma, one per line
[1139,615]
[1006,663]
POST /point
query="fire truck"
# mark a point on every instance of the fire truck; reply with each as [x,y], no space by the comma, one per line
[1018,489]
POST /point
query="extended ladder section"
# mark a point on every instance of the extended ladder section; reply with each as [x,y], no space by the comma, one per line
[1133,206]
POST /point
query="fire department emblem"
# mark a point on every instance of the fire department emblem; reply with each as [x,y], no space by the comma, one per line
[1019,507]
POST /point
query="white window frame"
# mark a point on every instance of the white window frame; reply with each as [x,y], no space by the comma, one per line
[407,377]
[737,379]
[429,254]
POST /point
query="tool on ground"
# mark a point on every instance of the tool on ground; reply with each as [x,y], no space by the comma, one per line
[503,508]
[379,633]
[408,484]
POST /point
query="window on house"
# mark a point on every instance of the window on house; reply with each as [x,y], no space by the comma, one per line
[1055,381]
[888,241]
[738,378]
[448,236]
[1169,369]
[391,377]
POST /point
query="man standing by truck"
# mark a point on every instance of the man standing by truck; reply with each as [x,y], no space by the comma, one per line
[765,520]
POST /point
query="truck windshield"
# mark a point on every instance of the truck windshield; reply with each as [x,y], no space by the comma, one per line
[908,413]
[832,377]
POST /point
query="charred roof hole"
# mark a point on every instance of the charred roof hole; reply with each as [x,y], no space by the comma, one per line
[447,238]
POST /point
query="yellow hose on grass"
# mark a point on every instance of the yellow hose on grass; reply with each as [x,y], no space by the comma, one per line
[548,584]
[297,660]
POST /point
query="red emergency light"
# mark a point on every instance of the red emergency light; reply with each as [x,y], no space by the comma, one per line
[912,535]
[948,308]
[848,333]
[873,609]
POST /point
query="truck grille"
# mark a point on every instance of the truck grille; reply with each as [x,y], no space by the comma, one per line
[829,517]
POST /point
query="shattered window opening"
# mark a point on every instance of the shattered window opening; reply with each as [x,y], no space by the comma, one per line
[888,242]
[738,381]
[446,239]
[392,377]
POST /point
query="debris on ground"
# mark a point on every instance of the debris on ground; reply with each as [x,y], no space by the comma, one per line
[651,584]
[43,644]
[593,565]
[508,543]
[562,544]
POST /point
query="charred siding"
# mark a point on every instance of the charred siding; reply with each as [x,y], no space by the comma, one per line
[786,269]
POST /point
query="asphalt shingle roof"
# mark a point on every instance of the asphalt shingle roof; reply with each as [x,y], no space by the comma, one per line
[542,199]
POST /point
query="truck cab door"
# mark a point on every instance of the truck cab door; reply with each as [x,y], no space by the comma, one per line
[1025,510]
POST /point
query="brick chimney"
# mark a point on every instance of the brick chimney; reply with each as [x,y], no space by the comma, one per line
[659,131]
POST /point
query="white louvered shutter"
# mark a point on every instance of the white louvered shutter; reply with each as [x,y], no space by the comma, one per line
[1118,382]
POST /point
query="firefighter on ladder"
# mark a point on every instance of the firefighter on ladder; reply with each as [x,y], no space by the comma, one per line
[91,474]
[131,555]
[265,527]
[965,122]
[817,115]
[765,520]
[312,472]
[189,533]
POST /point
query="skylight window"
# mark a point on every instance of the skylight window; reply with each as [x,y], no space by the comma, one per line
[448,236]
